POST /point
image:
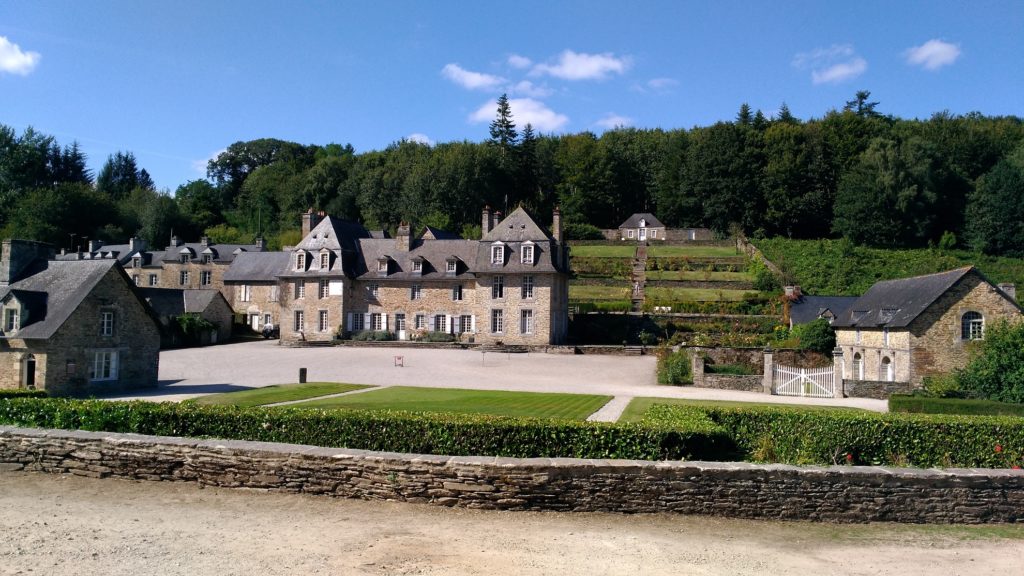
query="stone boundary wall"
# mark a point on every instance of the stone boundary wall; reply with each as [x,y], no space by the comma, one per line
[874,388]
[743,383]
[742,490]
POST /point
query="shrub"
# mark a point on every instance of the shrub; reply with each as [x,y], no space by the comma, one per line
[373,336]
[997,372]
[764,279]
[575,231]
[927,405]
[942,386]
[817,336]
[674,367]
[437,337]
[22,393]
[454,434]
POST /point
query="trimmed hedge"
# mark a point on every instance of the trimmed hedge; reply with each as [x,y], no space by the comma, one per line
[692,436]
[800,436]
[21,393]
[928,405]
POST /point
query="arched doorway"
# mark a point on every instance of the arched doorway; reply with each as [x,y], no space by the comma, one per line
[858,367]
[28,378]
[886,370]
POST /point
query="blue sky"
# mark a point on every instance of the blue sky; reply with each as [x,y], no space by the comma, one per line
[175,82]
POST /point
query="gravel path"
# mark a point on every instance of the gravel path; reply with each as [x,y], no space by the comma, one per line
[192,372]
[71,526]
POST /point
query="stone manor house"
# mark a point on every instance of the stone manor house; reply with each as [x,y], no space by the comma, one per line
[508,286]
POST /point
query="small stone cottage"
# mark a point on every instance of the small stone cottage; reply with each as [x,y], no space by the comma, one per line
[904,330]
[72,327]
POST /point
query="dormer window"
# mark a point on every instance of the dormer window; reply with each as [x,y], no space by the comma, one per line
[12,319]
[382,266]
[183,259]
[207,258]
[526,255]
[300,261]
[417,266]
[498,254]
[325,260]
[451,266]
[137,262]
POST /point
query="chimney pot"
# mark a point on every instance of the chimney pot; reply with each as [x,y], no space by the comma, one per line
[487,222]
[1009,289]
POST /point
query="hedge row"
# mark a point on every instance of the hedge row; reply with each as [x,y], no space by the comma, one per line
[692,436]
[926,405]
[20,393]
[801,436]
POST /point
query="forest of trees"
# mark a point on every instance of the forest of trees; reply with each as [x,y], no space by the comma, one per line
[856,172]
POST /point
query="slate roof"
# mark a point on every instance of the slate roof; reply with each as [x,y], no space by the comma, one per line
[431,233]
[222,253]
[257,267]
[634,221]
[896,303]
[517,227]
[435,254]
[123,253]
[55,290]
[810,308]
[172,302]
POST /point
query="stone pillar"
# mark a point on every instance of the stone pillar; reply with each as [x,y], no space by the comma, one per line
[766,377]
[697,367]
[837,372]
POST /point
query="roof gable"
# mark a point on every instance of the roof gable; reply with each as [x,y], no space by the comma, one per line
[649,221]
[59,287]
[517,227]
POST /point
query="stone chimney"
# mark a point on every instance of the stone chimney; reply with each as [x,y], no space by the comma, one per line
[1009,289]
[95,245]
[403,238]
[17,255]
[497,218]
[309,221]
[175,241]
[487,222]
[261,244]
[556,224]
[204,241]
[136,244]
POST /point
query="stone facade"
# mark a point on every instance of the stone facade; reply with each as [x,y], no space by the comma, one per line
[741,490]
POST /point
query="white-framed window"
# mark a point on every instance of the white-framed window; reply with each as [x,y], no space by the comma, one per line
[154,280]
[137,262]
[451,266]
[400,322]
[629,233]
[654,233]
[858,367]
[465,323]
[498,254]
[267,319]
[374,290]
[457,292]
[274,292]
[325,288]
[300,289]
[498,287]
[300,321]
[206,277]
[107,323]
[183,259]
[300,260]
[245,292]
[526,255]
[136,280]
[497,321]
[972,326]
[420,321]
[207,258]
[382,265]
[376,321]
[440,323]
[12,319]
[417,266]
[415,292]
[104,365]
[527,287]
[324,323]
[526,321]
[325,260]
[183,278]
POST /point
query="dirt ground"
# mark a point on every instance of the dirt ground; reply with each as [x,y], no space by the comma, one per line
[66,525]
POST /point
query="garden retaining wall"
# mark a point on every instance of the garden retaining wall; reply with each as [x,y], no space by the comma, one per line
[834,494]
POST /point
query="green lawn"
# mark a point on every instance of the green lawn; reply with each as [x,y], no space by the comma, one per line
[278,393]
[461,401]
[627,251]
[691,251]
[639,406]
[593,292]
[663,294]
[699,275]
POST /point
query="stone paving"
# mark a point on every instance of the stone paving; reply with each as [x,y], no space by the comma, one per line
[192,372]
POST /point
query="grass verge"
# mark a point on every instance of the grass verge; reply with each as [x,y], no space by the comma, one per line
[277,393]
[692,251]
[639,406]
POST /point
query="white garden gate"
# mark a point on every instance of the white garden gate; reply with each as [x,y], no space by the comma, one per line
[811,382]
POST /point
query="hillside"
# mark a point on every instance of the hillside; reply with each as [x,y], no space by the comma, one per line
[837,267]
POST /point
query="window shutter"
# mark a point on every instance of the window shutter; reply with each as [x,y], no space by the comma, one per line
[384,321]
[450,324]
[366,322]
[348,322]
[472,323]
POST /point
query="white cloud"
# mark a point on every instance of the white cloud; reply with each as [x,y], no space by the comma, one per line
[14,61]
[471,80]
[611,121]
[200,165]
[419,138]
[527,88]
[662,83]
[517,61]
[581,66]
[524,111]
[933,54]
[831,65]
[840,72]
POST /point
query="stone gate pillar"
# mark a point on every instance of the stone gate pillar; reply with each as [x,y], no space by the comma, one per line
[766,377]
[837,373]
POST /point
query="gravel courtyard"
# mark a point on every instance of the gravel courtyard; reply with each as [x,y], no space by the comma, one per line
[191,372]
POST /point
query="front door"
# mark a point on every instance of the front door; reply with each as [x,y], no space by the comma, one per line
[642,234]
[30,372]
[254,321]
[400,326]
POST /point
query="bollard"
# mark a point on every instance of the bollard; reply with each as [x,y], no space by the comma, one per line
[302,375]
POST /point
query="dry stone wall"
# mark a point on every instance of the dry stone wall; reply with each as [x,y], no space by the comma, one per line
[834,494]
